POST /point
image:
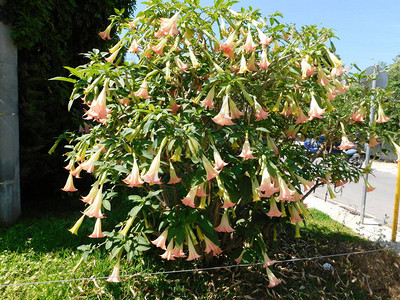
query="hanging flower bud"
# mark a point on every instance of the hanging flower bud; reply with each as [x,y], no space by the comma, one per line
[69,185]
[92,194]
[189,199]
[273,281]
[151,175]
[211,172]
[106,33]
[273,209]
[97,233]
[235,112]
[172,174]
[74,229]
[114,277]
[142,91]
[218,162]
[160,241]
[168,254]
[224,226]
[249,46]
[381,115]
[133,179]
[192,251]
[223,117]
[251,64]
[94,210]
[208,101]
[315,111]
[264,64]
[160,46]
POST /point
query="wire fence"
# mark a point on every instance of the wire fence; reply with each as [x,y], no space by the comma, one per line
[196,269]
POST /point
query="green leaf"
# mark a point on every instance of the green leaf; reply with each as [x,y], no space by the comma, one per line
[107,205]
[60,78]
[134,211]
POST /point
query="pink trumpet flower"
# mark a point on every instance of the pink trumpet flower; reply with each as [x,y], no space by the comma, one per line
[249,46]
[218,162]
[261,113]
[210,246]
[346,144]
[370,188]
[168,26]
[88,165]
[273,209]
[160,46]
[133,179]
[106,33]
[294,214]
[373,142]
[208,101]
[160,241]
[211,172]
[224,194]
[264,64]
[239,258]
[340,183]
[192,251]
[76,172]
[224,226]
[134,47]
[267,261]
[315,111]
[306,68]
[97,233]
[322,79]
[397,148]
[235,112]
[271,145]
[285,193]
[92,193]
[113,56]
[251,64]
[189,199]
[178,251]
[69,185]
[142,91]
[180,64]
[301,116]
[264,39]
[168,254]
[200,191]
[306,183]
[243,66]
[223,117]
[359,116]
[133,23]
[151,175]
[172,174]
[94,210]
[229,46]
[98,108]
[381,115]
[273,281]
[267,186]
[114,277]
[334,60]
[246,152]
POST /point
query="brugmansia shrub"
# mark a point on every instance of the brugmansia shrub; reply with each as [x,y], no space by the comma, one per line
[199,136]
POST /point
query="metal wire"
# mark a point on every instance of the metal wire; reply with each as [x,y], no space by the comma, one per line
[196,270]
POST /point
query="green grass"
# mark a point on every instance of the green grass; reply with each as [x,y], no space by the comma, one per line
[41,249]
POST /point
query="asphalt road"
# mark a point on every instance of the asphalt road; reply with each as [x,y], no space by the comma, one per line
[379,203]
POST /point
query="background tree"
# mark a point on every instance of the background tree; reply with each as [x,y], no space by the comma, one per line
[50,34]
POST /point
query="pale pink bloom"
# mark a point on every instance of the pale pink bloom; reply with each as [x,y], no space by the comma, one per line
[112,57]
[172,175]
[114,277]
[294,214]
[210,246]
[297,196]
[267,261]
[133,179]
[338,71]
[381,115]
[315,111]
[340,183]
[267,187]
[264,64]
[174,107]
[189,199]
[306,183]
[88,165]
[168,26]
[168,254]
[97,233]
[249,46]
[180,64]
[322,79]
[69,185]
[227,201]
[359,115]
[218,162]
[302,117]
[142,91]
[76,172]
[151,175]
[261,113]
[160,241]
[211,172]
[334,60]
[235,112]
[291,132]
[106,33]
[134,47]
[243,66]
[192,251]
[251,64]
[70,165]
[397,148]
[92,193]
[224,226]
[133,23]
[208,101]
[373,142]
[370,188]
[160,46]
[271,145]
[273,281]
[125,102]
[330,93]
[193,59]
[239,258]
[346,144]
[340,88]
[200,191]
[229,46]
[223,117]
[285,193]
[306,68]
[246,152]
[273,209]
[94,210]
[178,251]
[264,39]
[287,109]
[98,108]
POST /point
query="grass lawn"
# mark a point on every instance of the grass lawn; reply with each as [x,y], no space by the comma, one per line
[41,249]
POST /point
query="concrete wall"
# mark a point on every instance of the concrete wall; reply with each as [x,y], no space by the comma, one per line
[10,200]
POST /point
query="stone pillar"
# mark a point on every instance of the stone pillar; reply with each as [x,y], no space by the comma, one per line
[10,199]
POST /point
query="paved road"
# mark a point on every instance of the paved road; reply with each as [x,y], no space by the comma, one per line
[380,202]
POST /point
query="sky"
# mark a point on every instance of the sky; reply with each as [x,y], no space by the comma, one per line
[368,31]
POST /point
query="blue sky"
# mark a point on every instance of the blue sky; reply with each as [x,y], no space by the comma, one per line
[368,31]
